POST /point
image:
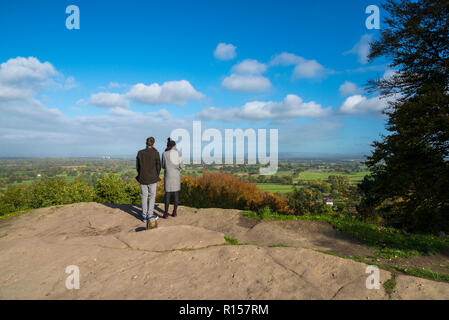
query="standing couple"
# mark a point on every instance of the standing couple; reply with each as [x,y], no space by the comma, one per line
[148,165]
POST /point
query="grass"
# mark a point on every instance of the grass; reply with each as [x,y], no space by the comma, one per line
[423,273]
[231,241]
[390,284]
[390,243]
[13,213]
[279,245]
[354,177]
[274,188]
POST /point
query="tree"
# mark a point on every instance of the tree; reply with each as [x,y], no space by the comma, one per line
[409,167]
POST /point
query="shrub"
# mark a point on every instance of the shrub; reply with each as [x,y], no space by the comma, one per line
[223,190]
[79,191]
[48,192]
[305,201]
[13,199]
[112,189]
[132,189]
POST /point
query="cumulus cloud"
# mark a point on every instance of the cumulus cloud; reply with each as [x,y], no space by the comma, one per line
[249,66]
[358,104]
[225,51]
[246,83]
[29,128]
[348,88]
[171,92]
[304,68]
[21,78]
[290,108]
[361,48]
[108,100]
[247,77]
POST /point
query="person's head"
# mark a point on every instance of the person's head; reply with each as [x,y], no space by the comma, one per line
[170,143]
[150,142]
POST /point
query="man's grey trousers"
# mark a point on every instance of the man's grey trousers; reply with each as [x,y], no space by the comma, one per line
[148,199]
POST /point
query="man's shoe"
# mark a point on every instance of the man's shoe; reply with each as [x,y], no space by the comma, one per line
[165,215]
[174,214]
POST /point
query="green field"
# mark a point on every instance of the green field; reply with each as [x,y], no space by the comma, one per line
[272,187]
[354,177]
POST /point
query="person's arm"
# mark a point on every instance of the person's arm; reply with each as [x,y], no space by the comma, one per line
[163,162]
[138,165]
[158,164]
[181,163]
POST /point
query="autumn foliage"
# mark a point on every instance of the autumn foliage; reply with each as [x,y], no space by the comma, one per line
[222,190]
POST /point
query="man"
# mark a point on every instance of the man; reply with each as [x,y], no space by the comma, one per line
[148,165]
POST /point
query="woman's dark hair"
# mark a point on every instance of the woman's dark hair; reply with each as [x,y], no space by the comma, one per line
[170,143]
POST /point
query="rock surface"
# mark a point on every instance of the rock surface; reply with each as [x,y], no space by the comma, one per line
[184,258]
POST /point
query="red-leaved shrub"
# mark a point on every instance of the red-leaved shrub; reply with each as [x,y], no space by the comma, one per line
[223,190]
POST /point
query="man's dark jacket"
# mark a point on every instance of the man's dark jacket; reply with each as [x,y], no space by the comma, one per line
[148,165]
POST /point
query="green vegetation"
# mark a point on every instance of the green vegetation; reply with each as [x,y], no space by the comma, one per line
[231,241]
[279,245]
[390,284]
[390,242]
[56,191]
[423,273]
[275,188]
[409,167]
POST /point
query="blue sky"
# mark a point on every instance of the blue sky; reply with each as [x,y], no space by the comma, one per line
[141,68]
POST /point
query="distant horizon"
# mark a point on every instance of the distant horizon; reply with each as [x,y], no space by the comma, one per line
[282,156]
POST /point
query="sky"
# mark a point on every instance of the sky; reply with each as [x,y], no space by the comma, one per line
[136,69]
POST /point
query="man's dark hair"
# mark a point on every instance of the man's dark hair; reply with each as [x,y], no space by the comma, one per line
[150,141]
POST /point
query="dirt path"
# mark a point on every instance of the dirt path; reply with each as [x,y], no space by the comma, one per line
[184,258]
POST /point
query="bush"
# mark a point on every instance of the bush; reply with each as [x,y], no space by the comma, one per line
[48,192]
[306,201]
[112,189]
[80,192]
[13,199]
[223,190]
[132,189]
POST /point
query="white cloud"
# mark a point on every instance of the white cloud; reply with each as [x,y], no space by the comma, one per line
[286,59]
[348,88]
[249,66]
[171,92]
[358,104]
[304,68]
[361,48]
[246,83]
[109,100]
[308,69]
[388,74]
[21,78]
[28,128]
[225,51]
[290,108]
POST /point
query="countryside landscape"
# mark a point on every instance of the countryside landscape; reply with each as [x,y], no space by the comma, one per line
[306,143]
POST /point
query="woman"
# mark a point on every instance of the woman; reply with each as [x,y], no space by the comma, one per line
[172,165]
